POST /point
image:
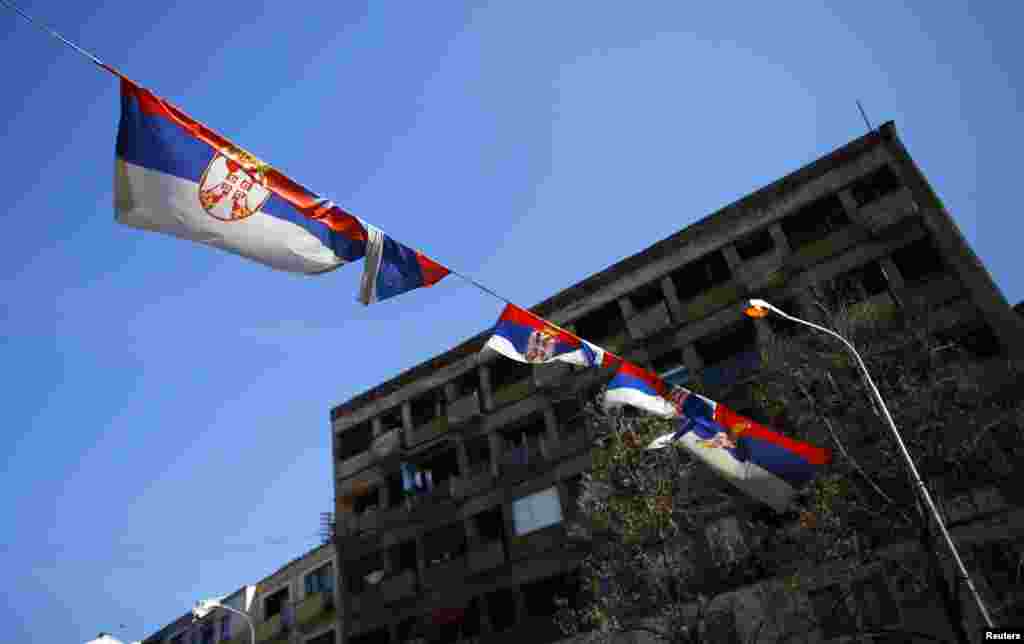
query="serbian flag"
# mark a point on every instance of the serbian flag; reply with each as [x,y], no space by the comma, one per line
[764,464]
[176,176]
[525,337]
[637,387]
[392,269]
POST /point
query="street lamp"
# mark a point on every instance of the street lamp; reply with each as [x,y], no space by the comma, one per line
[760,309]
[204,607]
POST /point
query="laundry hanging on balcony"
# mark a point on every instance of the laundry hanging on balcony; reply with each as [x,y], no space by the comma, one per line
[415,480]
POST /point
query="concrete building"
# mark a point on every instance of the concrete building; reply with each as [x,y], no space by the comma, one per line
[479,553]
[294,605]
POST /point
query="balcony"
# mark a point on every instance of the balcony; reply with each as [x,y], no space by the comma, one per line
[485,556]
[445,573]
[763,272]
[272,629]
[429,431]
[464,409]
[887,211]
[472,483]
[820,250]
[384,451]
[314,609]
[551,375]
[649,322]
[511,392]
[426,505]
[711,301]
[517,466]
[534,543]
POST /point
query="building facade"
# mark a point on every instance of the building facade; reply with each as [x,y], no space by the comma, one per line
[294,605]
[455,480]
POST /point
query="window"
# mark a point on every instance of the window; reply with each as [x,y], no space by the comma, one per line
[391,419]
[467,384]
[503,606]
[490,525]
[855,285]
[603,324]
[367,502]
[354,440]
[320,580]
[815,221]
[405,555]
[670,368]
[696,277]
[919,261]
[754,245]
[647,296]
[522,443]
[506,372]
[478,454]
[536,511]
[225,627]
[444,544]
[875,186]
[274,604]
[442,464]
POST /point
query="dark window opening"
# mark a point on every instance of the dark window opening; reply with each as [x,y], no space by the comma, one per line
[444,544]
[391,419]
[976,337]
[442,464]
[274,604]
[725,344]
[490,525]
[405,556]
[396,491]
[671,367]
[368,501]
[467,384]
[696,277]
[354,441]
[754,245]
[427,407]
[365,573]
[503,606]
[506,372]
[815,221]
[647,296]
[523,442]
[855,285]
[875,186]
[919,261]
[379,636]
[540,595]
[478,455]
[603,324]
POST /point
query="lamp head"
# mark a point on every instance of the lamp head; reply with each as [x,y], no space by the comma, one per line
[758,308]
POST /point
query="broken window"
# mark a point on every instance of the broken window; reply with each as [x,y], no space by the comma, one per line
[354,441]
[647,296]
[875,186]
[603,324]
[919,261]
[755,245]
[815,221]
[696,277]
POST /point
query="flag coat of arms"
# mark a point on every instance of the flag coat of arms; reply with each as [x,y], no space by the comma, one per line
[762,463]
[178,177]
[525,337]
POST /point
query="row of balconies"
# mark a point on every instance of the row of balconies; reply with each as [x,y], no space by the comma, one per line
[305,615]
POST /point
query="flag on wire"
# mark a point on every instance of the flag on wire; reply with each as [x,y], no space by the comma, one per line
[392,268]
[762,463]
[176,176]
[525,337]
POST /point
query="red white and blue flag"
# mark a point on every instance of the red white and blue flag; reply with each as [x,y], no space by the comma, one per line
[762,463]
[392,269]
[176,176]
[525,337]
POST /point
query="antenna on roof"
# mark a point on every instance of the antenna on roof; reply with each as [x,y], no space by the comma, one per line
[864,116]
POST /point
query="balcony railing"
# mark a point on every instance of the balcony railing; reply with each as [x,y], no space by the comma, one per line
[314,609]
[650,321]
[272,629]
[822,249]
[512,392]
[485,556]
[712,300]
[428,431]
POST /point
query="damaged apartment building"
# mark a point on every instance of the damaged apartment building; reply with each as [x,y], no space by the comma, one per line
[455,480]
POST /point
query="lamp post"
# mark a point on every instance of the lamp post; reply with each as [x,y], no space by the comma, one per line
[204,607]
[760,309]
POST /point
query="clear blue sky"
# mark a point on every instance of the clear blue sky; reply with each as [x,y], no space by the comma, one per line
[165,417]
